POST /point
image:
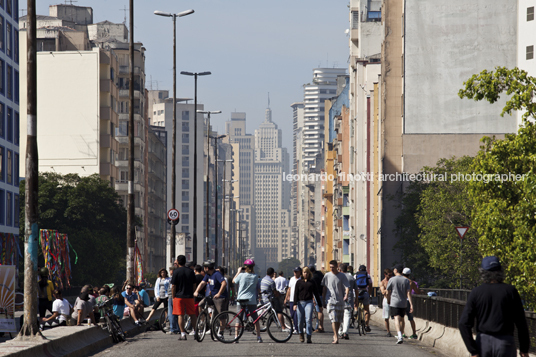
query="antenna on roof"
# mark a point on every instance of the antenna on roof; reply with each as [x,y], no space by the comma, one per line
[22,12]
[125,10]
[71,2]
[268,99]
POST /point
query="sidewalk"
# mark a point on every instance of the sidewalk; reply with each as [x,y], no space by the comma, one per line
[71,341]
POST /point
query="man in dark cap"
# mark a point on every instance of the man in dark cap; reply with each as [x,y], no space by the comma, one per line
[497,307]
[317,278]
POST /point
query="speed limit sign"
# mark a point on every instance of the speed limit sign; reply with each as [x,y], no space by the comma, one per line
[173,216]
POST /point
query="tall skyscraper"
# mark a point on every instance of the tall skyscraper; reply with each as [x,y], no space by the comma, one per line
[272,195]
[323,86]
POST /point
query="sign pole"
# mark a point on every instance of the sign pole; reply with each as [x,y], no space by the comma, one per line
[461,233]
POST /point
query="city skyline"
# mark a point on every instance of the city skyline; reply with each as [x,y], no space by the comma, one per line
[265,47]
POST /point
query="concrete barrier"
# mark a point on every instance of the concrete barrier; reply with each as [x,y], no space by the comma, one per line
[70,341]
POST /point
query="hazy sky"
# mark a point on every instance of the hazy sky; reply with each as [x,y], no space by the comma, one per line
[252,47]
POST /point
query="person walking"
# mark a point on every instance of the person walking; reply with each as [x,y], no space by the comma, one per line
[317,278]
[247,293]
[335,293]
[269,286]
[183,285]
[349,304]
[173,319]
[304,292]
[388,273]
[398,288]
[363,281]
[414,286]
[161,288]
[290,297]
[497,307]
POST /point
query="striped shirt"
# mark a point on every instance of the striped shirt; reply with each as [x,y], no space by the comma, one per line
[267,284]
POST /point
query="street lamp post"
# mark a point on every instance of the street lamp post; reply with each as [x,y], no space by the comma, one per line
[207,250]
[223,209]
[216,138]
[195,75]
[174,135]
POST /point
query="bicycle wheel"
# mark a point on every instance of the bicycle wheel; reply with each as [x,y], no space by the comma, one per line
[118,329]
[202,325]
[188,323]
[228,327]
[362,321]
[358,320]
[280,331]
[111,329]
[263,322]
[164,321]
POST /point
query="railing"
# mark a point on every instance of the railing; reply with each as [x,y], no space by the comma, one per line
[456,294]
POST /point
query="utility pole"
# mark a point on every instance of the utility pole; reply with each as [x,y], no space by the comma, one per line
[131,232]
[30,327]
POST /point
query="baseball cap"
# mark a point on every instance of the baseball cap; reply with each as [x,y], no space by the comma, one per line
[491,263]
[297,269]
[406,271]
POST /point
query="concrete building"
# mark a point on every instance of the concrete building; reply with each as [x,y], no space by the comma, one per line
[322,87]
[272,195]
[162,116]
[526,41]
[243,176]
[9,124]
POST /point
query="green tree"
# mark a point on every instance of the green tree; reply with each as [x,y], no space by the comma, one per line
[288,265]
[444,205]
[90,212]
[504,210]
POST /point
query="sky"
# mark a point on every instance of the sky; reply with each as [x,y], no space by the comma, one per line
[251,47]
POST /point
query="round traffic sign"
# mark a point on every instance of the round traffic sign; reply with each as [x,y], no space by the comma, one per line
[173,214]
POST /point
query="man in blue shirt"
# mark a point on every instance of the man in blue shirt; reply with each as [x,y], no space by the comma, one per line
[216,287]
[132,302]
[268,285]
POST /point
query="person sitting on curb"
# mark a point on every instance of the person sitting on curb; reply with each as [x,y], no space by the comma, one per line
[61,310]
[118,302]
[134,308]
[83,309]
[101,299]
[143,294]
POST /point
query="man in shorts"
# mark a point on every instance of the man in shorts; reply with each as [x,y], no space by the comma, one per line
[388,273]
[335,294]
[183,285]
[398,288]
[349,303]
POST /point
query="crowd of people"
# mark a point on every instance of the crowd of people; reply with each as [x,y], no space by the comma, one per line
[338,292]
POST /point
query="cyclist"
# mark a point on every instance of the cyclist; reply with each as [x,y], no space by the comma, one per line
[216,287]
[364,286]
[270,286]
[247,282]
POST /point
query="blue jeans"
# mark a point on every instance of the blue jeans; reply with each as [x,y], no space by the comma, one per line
[173,319]
[293,315]
[305,316]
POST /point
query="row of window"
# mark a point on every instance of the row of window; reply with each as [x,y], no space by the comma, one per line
[11,7]
[9,82]
[9,124]
[9,39]
[9,166]
[9,208]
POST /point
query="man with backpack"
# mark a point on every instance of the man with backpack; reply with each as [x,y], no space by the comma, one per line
[364,286]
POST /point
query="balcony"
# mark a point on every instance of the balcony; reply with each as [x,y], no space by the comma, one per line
[339,137]
[339,201]
[105,169]
[125,70]
[105,113]
[105,85]
[105,140]
[124,93]
[339,223]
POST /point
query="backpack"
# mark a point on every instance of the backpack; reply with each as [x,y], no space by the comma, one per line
[361,279]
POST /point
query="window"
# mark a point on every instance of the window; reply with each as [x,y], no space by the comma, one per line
[186,115]
[530,13]
[10,125]
[185,161]
[185,206]
[186,149]
[2,206]
[185,183]
[16,83]
[184,229]
[9,44]
[16,10]
[185,174]
[1,33]
[185,138]
[2,160]
[185,195]
[186,126]
[122,130]
[9,82]
[9,8]
[185,218]
[9,208]
[16,46]
[530,52]
[9,168]
[1,76]
[16,211]
[2,120]
[16,169]
[355,19]
[16,135]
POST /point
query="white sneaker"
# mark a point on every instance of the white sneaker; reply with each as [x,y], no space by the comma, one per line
[192,333]
[399,340]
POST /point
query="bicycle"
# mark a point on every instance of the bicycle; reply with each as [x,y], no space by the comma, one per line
[360,314]
[205,318]
[164,322]
[230,326]
[111,321]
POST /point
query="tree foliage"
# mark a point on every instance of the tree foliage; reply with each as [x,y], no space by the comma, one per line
[91,213]
[288,265]
[504,214]
[445,205]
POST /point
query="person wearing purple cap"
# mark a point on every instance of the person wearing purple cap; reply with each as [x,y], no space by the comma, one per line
[497,307]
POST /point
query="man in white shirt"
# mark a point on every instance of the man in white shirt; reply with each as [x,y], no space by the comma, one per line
[281,284]
[290,296]
[61,309]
